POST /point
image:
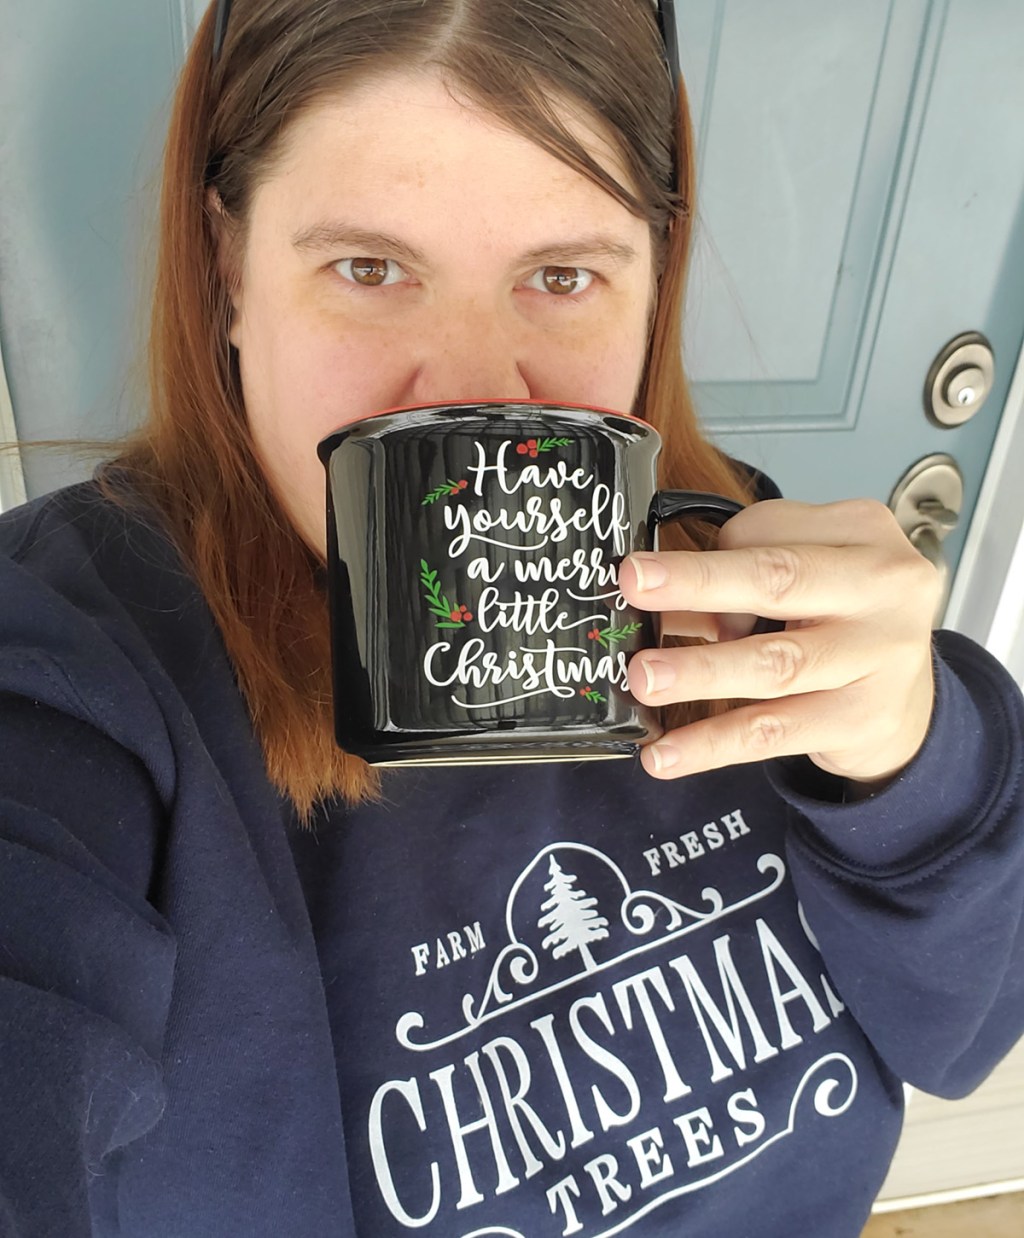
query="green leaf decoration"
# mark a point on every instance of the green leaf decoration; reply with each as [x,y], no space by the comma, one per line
[592,694]
[549,444]
[449,487]
[437,602]
[612,636]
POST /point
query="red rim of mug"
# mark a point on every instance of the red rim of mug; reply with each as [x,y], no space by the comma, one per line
[455,404]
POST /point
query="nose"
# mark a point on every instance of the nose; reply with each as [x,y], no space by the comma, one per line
[470,352]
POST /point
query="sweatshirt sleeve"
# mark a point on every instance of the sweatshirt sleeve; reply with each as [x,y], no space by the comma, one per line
[86,968]
[916,895]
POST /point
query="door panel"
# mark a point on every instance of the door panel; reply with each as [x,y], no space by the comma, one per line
[860,203]
[799,139]
[84,100]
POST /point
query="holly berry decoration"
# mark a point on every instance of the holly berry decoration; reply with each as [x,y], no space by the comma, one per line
[534,447]
[449,488]
[447,614]
[592,694]
[612,636]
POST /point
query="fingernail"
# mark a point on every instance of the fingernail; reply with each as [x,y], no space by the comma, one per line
[660,675]
[664,757]
[650,573]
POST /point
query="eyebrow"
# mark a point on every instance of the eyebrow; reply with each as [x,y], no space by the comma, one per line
[322,237]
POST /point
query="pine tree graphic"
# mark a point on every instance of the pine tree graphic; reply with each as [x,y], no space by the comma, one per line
[574,923]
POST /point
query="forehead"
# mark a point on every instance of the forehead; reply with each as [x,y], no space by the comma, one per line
[405,135]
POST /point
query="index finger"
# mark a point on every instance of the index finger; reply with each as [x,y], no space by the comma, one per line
[778,582]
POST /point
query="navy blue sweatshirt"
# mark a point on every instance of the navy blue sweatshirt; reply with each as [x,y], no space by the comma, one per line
[528,1001]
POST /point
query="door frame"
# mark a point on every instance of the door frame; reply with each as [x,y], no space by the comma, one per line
[12,476]
[986,602]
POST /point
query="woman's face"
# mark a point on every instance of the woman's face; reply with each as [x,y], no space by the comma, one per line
[408,250]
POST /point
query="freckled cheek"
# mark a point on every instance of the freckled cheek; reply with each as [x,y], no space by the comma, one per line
[323,385]
[605,375]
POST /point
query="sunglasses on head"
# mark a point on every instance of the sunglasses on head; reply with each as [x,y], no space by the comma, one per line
[664,9]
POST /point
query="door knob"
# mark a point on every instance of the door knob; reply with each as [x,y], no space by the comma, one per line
[927,502]
[932,511]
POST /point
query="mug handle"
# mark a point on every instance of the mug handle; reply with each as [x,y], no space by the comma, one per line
[672,505]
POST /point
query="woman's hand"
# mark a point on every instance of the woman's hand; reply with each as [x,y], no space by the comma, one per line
[849,682]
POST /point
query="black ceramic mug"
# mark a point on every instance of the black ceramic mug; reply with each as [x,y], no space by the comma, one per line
[473,554]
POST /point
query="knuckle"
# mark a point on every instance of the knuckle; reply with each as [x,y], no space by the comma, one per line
[863,711]
[703,666]
[715,745]
[904,575]
[927,578]
[870,514]
[782,662]
[777,571]
[765,732]
[702,569]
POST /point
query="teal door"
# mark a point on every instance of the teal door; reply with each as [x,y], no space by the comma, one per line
[861,203]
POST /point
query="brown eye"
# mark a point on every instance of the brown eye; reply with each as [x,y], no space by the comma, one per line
[565,282]
[561,279]
[369,271]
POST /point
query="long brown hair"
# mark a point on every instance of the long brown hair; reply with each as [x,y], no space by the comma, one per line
[194,460]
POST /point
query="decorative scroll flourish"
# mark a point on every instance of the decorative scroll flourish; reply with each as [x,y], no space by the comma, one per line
[523,969]
[643,913]
[640,910]
[841,1074]
[831,1076]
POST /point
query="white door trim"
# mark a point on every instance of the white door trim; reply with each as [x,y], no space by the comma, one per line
[987,598]
[12,477]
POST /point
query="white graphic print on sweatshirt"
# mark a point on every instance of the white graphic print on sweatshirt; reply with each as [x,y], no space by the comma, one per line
[564,1073]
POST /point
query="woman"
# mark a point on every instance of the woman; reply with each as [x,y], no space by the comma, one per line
[250,987]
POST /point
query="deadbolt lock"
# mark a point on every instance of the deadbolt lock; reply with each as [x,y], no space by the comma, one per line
[959,380]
